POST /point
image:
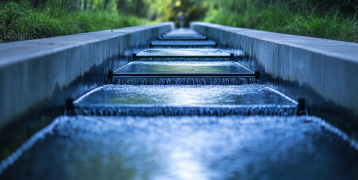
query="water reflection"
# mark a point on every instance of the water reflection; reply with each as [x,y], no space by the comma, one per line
[185,95]
[183,52]
[233,147]
[182,43]
[184,67]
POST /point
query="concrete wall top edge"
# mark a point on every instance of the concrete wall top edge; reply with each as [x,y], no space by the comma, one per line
[331,48]
[322,67]
[15,52]
[42,73]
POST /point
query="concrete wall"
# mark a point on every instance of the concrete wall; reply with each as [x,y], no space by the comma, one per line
[43,73]
[324,72]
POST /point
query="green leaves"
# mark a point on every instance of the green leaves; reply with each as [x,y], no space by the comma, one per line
[21,22]
[289,16]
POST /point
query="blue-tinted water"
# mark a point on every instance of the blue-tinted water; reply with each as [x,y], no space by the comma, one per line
[207,148]
[183,52]
[201,144]
[184,67]
[129,100]
[183,81]
[198,95]
[186,43]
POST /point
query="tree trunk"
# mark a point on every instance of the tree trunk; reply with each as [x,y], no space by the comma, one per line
[105,4]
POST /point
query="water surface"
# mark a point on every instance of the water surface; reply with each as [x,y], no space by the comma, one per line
[183,52]
[184,67]
[180,148]
[184,95]
[183,43]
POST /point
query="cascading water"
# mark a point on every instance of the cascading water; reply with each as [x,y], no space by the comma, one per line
[182,81]
[184,59]
[151,111]
[190,127]
[181,100]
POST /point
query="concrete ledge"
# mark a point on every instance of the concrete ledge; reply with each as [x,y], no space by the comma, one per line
[326,68]
[32,72]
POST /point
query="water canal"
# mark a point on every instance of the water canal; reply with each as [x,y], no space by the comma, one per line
[185,110]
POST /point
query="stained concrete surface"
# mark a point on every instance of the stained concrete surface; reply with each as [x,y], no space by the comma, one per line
[32,71]
[325,70]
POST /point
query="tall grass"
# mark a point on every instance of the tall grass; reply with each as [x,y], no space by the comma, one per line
[22,22]
[278,17]
[329,25]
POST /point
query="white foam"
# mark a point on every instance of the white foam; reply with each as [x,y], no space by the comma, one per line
[87,94]
[293,101]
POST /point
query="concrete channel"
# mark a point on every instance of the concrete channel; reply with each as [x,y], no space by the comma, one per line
[188,107]
[320,70]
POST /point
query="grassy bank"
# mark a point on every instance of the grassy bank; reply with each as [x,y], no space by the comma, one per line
[20,21]
[279,17]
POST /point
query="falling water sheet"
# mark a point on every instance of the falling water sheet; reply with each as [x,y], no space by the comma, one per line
[140,80]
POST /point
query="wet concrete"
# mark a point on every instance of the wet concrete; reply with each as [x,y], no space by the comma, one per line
[32,72]
[322,68]
[205,142]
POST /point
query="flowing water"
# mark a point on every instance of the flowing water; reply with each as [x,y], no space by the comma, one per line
[184,67]
[233,147]
[182,81]
[184,128]
[183,52]
[129,100]
[183,43]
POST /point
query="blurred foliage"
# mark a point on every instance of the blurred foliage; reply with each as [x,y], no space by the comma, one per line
[331,19]
[21,21]
[334,19]
[32,19]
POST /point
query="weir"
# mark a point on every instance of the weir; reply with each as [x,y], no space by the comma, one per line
[184,107]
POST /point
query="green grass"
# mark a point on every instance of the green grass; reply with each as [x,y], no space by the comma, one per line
[330,25]
[20,22]
[278,18]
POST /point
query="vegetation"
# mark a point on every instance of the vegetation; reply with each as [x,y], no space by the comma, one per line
[22,21]
[330,19]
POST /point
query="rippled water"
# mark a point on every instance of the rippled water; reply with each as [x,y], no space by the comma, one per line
[182,35]
[206,148]
[183,52]
[199,145]
[187,43]
[184,95]
[128,100]
[182,31]
[183,67]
